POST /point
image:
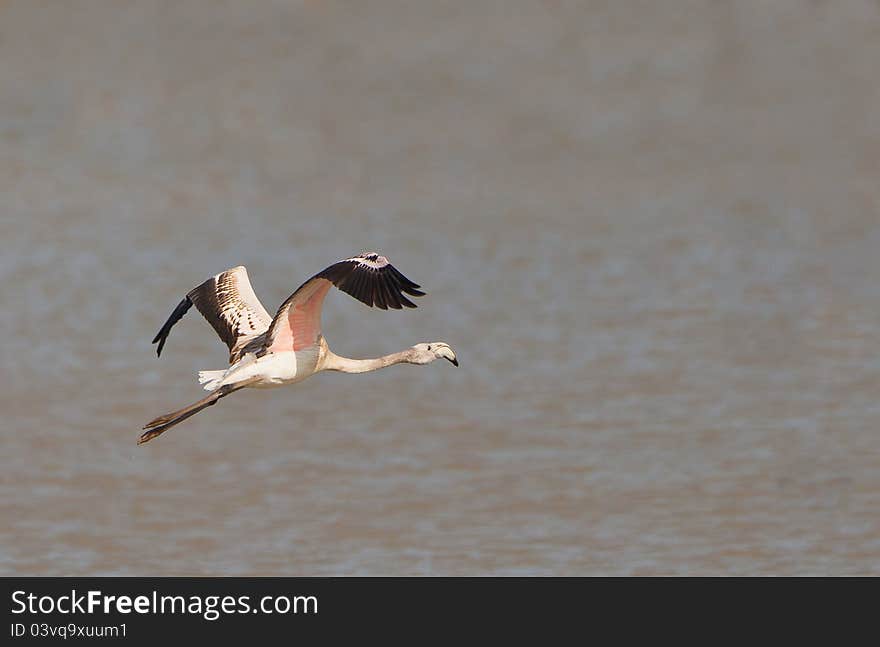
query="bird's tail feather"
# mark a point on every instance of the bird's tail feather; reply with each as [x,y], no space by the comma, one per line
[211,379]
[164,422]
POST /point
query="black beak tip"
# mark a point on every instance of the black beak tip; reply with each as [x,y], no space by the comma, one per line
[454,361]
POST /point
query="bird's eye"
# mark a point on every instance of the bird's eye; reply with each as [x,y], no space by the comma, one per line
[429,346]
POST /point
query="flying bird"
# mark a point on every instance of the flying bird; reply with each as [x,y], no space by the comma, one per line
[266,352]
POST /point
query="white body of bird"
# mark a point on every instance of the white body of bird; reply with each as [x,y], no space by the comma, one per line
[276,369]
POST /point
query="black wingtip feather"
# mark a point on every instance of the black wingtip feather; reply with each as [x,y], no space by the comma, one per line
[391,296]
[403,280]
[176,315]
[376,293]
[405,284]
[381,287]
[384,293]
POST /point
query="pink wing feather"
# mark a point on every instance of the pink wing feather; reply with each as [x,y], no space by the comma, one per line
[369,278]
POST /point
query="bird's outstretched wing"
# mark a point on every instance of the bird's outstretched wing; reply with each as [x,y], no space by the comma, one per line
[228,302]
[369,278]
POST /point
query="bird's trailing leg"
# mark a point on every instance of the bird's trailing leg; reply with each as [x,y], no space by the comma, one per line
[165,422]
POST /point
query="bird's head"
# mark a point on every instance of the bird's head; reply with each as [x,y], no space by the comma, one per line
[429,351]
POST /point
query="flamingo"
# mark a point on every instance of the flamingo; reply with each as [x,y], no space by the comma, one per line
[266,352]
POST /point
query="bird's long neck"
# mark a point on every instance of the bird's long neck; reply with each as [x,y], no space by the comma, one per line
[334,362]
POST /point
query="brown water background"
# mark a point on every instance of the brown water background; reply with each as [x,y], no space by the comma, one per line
[650,231]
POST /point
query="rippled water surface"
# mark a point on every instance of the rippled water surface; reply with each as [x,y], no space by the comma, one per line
[650,233]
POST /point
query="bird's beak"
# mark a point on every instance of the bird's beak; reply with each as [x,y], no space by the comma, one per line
[447,353]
